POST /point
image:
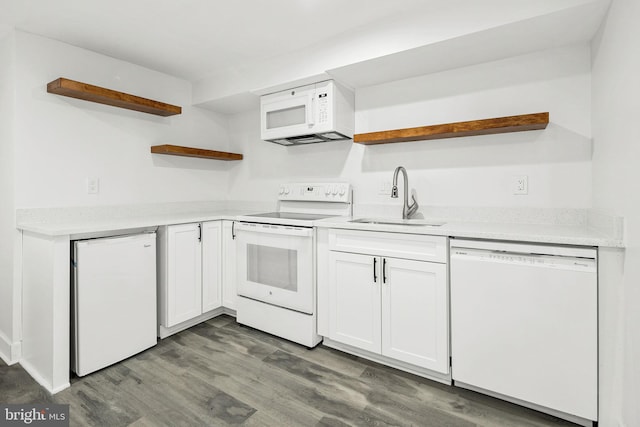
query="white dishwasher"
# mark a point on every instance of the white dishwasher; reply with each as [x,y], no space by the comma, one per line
[114,300]
[524,324]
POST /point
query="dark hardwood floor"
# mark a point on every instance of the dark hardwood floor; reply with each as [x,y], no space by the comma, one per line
[222,373]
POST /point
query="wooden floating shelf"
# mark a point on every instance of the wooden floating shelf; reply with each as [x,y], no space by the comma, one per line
[453,130]
[87,92]
[176,150]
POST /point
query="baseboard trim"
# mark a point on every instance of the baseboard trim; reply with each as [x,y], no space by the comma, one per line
[40,380]
[229,311]
[164,332]
[559,414]
[387,361]
[10,352]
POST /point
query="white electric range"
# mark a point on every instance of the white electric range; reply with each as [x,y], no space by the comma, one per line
[276,260]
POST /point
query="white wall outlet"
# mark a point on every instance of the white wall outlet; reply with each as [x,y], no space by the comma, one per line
[520,184]
[385,188]
[93,185]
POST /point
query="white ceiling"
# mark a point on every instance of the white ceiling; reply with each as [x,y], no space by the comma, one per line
[195,38]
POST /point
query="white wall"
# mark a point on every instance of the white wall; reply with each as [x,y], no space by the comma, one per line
[61,141]
[7,210]
[472,171]
[616,176]
[50,145]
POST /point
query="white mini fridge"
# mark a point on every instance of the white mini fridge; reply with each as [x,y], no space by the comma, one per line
[114,300]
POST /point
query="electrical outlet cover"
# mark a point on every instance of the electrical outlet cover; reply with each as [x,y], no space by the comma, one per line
[93,185]
[520,185]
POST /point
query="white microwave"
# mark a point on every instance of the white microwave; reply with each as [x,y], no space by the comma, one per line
[318,112]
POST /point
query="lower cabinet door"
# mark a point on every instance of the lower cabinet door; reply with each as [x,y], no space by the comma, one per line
[354,300]
[229,292]
[184,274]
[414,313]
[211,265]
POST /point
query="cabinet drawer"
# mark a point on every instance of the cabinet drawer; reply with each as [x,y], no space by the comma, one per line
[399,245]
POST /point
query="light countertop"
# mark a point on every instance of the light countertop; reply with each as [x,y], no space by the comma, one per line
[92,225]
[79,222]
[581,235]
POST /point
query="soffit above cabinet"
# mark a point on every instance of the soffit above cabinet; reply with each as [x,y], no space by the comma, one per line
[238,90]
[541,33]
[246,101]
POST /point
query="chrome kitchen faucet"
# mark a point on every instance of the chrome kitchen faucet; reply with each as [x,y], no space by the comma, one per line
[407,210]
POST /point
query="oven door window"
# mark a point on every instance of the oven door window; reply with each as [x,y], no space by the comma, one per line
[273,266]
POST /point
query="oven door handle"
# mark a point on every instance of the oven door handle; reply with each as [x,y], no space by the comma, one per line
[284,230]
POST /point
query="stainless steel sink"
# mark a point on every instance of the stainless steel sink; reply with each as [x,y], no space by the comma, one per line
[389,221]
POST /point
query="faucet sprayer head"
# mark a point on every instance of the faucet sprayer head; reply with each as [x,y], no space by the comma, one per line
[394,191]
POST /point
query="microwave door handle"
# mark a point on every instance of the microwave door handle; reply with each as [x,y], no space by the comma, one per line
[311,111]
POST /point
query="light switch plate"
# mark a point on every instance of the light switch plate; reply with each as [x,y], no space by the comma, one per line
[520,184]
[93,185]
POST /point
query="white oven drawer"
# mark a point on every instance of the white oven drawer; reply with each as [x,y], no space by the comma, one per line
[399,245]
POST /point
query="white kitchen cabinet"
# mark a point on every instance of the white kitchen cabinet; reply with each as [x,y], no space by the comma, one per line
[183,292]
[385,305]
[229,292]
[354,307]
[189,274]
[414,313]
[211,265]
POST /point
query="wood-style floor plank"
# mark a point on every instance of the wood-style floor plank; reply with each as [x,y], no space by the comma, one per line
[221,373]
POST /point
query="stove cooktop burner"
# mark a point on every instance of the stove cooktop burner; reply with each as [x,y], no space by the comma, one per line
[291,215]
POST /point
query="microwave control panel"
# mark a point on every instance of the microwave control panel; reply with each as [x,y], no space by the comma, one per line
[323,107]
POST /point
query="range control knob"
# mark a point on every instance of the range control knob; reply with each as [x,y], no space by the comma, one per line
[281,190]
[286,190]
[334,190]
[327,190]
[343,190]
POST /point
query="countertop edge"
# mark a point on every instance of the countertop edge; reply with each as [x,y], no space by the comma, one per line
[543,233]
[71,229]
[535,233]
